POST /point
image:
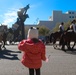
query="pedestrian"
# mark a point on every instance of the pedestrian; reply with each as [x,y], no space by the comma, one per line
[33,52]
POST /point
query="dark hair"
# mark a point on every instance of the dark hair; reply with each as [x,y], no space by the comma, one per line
[35,40]
[62,23]
[73,21]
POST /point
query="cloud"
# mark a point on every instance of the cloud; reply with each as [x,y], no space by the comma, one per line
[9,17]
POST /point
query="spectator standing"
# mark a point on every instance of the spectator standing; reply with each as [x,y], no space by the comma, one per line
[33,51]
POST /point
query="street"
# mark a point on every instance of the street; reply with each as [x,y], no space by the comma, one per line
[60,62]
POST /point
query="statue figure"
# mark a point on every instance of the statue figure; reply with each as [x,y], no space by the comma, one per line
[22,13]
[22,16]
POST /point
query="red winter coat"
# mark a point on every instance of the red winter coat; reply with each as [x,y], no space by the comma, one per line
[34,53]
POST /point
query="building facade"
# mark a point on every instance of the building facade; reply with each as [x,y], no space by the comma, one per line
[58,17]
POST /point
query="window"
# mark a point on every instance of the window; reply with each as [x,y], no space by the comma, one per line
[69,16]
[72,12]
[72,16]
[69,12]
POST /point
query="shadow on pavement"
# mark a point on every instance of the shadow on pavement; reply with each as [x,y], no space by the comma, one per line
[9,54]
[68,51]
[71,51]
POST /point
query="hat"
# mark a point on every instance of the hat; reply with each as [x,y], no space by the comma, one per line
[32,33]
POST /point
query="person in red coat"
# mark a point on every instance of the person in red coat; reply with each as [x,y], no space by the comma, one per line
[33,51]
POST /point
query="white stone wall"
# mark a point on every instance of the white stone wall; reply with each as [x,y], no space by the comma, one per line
[58,17]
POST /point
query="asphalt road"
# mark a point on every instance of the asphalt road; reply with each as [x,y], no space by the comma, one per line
[60,62]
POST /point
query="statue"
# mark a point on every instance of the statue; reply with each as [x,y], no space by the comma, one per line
[22,16]
[22,13]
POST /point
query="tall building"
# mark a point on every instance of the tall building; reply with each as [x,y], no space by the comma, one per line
[58,17]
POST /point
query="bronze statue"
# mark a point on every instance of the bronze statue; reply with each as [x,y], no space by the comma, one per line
[22,13]
[22,16]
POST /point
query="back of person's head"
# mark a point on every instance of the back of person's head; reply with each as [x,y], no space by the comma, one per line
[62,23]
[74,21]
[32,33]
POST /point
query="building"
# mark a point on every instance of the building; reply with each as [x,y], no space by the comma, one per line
[58,17]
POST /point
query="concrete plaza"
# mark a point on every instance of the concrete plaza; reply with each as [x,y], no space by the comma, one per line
[60,62]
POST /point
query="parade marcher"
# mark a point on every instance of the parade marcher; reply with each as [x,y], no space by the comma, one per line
[34,51]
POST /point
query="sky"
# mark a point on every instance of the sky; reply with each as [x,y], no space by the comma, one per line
[39,9]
